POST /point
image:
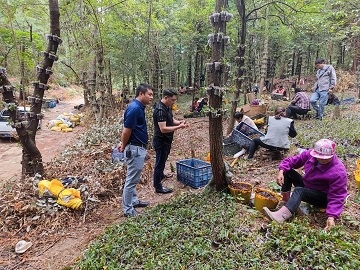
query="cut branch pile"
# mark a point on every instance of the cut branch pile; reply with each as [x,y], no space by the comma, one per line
[86,166]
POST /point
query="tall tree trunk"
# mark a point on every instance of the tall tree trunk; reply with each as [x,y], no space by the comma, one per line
[299,66]
[293,72]
[109,89]
[240,62]
[189,73]
[32,159]
[156,68]
[133,83]
[22,95]
[172,68]
[91,82]
[202,76]
[196,69]
[356,52]
[264,61]
[216,94]
[85,85]
[103,99]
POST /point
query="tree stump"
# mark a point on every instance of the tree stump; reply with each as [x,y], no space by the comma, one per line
[336,113]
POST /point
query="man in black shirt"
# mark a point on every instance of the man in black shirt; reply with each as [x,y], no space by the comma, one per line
[164,127]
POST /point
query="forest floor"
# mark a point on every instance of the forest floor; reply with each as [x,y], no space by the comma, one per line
[59,237]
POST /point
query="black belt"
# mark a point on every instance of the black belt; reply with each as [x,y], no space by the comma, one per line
[138,144]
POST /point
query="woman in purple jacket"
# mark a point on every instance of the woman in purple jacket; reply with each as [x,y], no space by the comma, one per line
[324,183]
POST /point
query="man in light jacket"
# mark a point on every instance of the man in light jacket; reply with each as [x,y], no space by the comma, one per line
[325,81]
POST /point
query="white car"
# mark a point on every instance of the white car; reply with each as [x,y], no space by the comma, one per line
[6,130]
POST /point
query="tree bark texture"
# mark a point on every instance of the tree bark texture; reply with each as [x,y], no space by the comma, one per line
[240,62]
[32,159]
[215,101]
[156,68]
[91,82]
[264,60]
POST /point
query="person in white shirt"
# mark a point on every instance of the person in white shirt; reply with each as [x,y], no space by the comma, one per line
[240,117]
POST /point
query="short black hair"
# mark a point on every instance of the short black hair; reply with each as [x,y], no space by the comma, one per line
[238,115]
[142,88]
[279,110]
[319,61]
[169,93]
[298,89]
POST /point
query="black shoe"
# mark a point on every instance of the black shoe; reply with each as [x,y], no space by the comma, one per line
[163,190]
[166,176]
[141,204]
[132,214]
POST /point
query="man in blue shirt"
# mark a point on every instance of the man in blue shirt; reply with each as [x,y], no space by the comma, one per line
[134,140]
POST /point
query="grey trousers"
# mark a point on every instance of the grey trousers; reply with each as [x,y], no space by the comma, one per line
[135,164]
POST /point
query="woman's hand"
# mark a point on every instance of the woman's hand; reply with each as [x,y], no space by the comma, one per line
[329,223]
[280,178]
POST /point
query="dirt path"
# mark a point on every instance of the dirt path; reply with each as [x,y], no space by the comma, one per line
[49,143]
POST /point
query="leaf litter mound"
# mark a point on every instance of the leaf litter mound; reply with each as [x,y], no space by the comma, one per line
[86,165]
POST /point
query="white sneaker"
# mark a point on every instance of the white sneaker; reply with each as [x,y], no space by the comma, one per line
[240,153]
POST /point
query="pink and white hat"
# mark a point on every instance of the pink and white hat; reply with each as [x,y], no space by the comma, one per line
[323,149]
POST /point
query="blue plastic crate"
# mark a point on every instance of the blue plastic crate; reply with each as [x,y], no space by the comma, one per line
[243,134]
[193,172]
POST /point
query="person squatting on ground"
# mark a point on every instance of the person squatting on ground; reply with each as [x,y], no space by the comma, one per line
[134,140]
[277,136]
[325,81]
[240,117]
[194,105]
[324,183]
[299,105]
[164,127]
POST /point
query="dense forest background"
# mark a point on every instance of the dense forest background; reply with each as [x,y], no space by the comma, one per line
[117,44]
[215,47]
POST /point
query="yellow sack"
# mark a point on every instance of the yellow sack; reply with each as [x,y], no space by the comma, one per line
[74,119]
[67,129]
[68,197]
[58,122]
[259,121]
[55,128]
[62,126]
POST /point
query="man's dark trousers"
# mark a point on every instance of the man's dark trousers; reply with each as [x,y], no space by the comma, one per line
[162,152]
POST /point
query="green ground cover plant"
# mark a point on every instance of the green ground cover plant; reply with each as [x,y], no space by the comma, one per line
[344,131]
[208,230]
[205,231]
